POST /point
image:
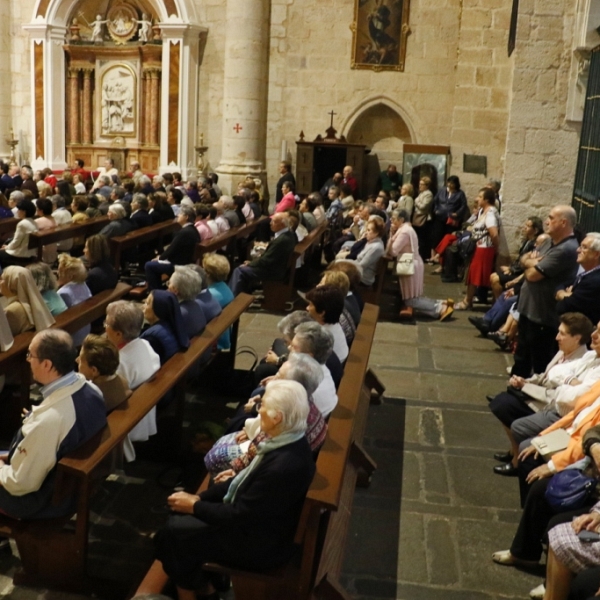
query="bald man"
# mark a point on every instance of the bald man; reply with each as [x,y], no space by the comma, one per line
[545,270]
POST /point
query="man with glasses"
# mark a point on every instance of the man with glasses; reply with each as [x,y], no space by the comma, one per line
[584,294]
[70,413]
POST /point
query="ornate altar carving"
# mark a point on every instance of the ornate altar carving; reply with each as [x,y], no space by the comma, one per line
[122,22]
[118,101]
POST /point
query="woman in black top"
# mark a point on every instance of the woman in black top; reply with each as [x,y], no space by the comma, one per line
[160,209]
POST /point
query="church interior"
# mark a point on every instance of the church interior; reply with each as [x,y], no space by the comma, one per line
[494,88]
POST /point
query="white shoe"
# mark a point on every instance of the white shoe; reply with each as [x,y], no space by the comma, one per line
[509,370]
[537,593]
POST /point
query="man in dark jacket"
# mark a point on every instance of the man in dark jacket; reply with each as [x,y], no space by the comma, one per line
[273,264]
[285,170]
[139,212]
[179,252]
[584,295]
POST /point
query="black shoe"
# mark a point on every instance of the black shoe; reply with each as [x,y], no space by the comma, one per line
[504,457]
[489,398]
[507,470]
[498,338]
[480,324]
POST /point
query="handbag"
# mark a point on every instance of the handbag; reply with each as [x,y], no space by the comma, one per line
[569,489]
[405,265]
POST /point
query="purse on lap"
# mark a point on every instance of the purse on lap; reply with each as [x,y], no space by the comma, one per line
[570,489]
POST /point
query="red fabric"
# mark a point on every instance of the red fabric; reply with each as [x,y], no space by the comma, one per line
[51,181]
[351,181]
[481,267]
[288,202]
[441,247]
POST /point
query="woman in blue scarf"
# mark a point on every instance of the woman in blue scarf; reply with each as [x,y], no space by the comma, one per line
[248,521]
[166,333]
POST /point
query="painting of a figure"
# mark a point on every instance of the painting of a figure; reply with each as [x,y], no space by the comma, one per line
[380,30]
[117,101]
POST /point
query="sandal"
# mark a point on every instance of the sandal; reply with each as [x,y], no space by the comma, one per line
[462,305]
[437,271]
[446,313]
[504,557]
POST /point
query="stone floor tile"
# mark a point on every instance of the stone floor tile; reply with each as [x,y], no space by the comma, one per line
[474,483]
[473,429]
[468,361]
[388,354]
[460,337]
[412,553]
[441,548]
[466,390]
[474,540]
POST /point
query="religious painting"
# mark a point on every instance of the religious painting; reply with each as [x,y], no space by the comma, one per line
[118,101]
[425,161]
[379,31]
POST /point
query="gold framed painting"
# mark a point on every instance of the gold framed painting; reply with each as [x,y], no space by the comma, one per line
[379,34]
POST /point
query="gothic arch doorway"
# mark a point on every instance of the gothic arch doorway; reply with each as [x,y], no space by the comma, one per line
[384,131]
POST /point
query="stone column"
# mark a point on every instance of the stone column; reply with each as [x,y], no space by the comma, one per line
[87,106]
[74,119]
[145,134]
[246,74]
[154,105]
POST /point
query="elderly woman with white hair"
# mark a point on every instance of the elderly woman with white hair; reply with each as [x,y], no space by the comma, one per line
[119,223]
[313,339]
[138,362]
[249,520]
[186,284]
[234,451]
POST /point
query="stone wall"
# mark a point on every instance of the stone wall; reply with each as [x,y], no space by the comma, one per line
[541,149]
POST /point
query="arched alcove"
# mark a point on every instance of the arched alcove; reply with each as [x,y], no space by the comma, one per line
[158,90]
[384,132]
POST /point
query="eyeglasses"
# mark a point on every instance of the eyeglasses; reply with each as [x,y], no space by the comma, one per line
[30,356]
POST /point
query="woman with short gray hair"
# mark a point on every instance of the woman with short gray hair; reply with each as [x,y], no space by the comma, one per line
[186,284]
[267,496]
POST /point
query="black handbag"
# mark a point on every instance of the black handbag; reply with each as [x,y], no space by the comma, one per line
[570,489]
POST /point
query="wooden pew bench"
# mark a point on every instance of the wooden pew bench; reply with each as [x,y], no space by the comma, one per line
[156,232]
[13,360]
[228,240]
[323,526]
[39,239]
[54,555]
[279,294]
[373,294]
[8,226]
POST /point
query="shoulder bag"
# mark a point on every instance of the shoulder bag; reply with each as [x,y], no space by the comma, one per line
[405,264]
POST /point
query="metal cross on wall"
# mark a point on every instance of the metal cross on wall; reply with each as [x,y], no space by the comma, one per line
[237,128]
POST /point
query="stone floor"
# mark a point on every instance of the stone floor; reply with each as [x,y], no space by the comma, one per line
[434,513]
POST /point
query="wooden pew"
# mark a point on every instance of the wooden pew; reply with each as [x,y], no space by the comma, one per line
[228,239]
[55,556]
[39,239]
[373,294]
[156,232]
[323,526]
[8,225]
[279,294]
[13,360]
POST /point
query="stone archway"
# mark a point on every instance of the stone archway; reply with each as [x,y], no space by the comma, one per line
[384,131]
[178,57]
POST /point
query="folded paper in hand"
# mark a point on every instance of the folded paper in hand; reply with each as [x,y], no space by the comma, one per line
[551,443]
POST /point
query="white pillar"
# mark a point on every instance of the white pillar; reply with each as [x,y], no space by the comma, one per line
[54,149]
[245,92]
[183,39]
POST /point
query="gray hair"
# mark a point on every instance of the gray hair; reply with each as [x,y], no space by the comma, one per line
[495,184]
[227,201]
[119,192]
[400,213]
[305,370]
[43,276]
[118,210]
[287,325]
[188,212]
[144,180]
[141,200]
[28,170]
[105,179]
[315,340]
[595,237]
[158,179]
[17,196]
[58,200]
[187,281]
[285,218]
[290,400]
[127,318]
[200,272]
